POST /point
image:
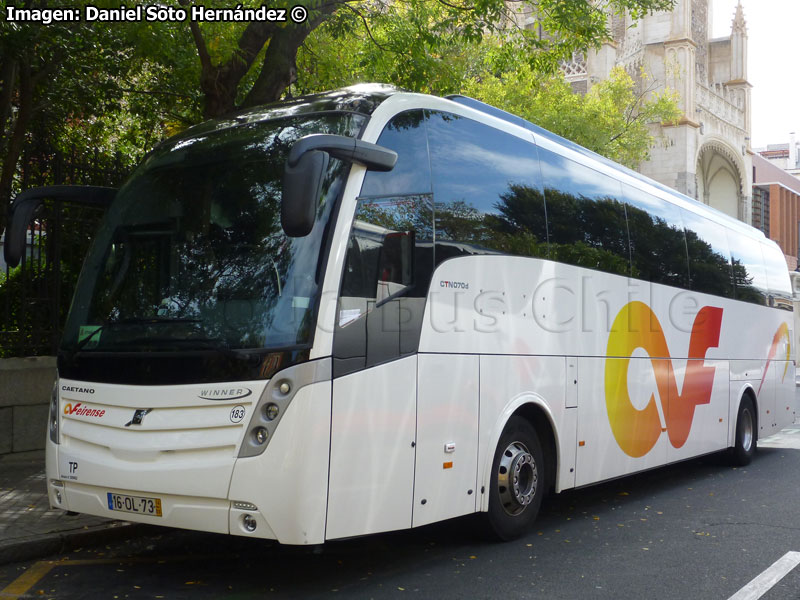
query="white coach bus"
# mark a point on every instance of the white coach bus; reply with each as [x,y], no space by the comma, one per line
[370,310]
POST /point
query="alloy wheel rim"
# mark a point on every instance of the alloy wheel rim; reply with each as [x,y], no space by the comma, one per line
[517,478]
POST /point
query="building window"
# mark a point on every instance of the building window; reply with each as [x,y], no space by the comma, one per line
[761,209]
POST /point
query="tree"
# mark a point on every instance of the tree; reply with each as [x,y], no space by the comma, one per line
[68,85]
[611,119]
[261,63]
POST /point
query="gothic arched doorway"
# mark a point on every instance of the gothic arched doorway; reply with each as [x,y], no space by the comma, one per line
[719,179]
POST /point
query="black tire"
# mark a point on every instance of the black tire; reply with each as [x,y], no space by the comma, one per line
[746,433]
[513,505]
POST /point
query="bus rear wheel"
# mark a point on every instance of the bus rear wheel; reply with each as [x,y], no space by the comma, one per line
[518,481]
[746,433]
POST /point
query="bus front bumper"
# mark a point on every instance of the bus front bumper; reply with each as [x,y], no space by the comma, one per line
[280,494]
[213,515]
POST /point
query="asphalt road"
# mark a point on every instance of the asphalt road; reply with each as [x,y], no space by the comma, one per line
[700,529]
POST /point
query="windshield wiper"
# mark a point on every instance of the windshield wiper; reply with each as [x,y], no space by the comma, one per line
[214,344]
[129,321]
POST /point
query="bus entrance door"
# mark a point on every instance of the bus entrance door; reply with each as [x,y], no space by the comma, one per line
[371,485]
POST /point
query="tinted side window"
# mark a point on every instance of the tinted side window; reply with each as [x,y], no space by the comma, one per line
[405,134]
[585,216]
[658,242]
[780,287]
[386,231]
[486,190]
[709,255]
[387,272]
[749,275]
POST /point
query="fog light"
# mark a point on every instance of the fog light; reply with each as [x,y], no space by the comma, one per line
[260,435]
[271,411]
[58,496]
[249,523]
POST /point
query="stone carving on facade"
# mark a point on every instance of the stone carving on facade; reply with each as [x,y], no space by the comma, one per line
[700,37]
[576,67]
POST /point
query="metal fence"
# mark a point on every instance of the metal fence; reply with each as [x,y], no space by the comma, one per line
[35,296]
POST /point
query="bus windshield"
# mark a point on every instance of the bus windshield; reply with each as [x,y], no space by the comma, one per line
[192,256]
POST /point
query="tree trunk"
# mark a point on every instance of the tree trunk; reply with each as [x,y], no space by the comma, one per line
[219,100]
[8,76]
[220,83]
[17,139]
[278,70]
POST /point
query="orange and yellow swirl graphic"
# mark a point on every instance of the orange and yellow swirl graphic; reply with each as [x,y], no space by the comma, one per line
[781,334]
[636,326]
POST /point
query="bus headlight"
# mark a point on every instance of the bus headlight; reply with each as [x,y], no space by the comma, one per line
[54,417]
[260,434]
[271,411]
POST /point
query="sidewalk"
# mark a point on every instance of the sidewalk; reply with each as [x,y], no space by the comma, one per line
[28,528]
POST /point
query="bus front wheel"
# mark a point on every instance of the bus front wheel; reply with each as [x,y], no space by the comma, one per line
[518,480]
[746,433]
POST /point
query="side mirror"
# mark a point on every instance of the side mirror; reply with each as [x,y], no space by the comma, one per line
[305,171]
[302,187]
[25,205]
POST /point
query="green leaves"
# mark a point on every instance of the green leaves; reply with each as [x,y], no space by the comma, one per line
[502,53]
[612,118]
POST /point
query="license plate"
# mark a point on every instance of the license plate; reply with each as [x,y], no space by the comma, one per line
[140,505]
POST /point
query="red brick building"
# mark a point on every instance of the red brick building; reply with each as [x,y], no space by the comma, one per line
[776,207]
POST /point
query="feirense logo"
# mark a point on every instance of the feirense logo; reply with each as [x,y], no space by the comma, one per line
[83,411]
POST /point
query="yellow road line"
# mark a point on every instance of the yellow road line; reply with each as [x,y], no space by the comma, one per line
[37,571]
[27,580]
[134,560]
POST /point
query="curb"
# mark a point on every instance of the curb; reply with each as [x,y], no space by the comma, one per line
[54,543]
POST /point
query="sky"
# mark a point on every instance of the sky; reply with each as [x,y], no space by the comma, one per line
[773,29]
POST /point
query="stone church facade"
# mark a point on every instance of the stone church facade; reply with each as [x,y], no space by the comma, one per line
[707,154]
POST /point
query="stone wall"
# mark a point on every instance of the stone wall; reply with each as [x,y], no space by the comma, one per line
[25,388]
